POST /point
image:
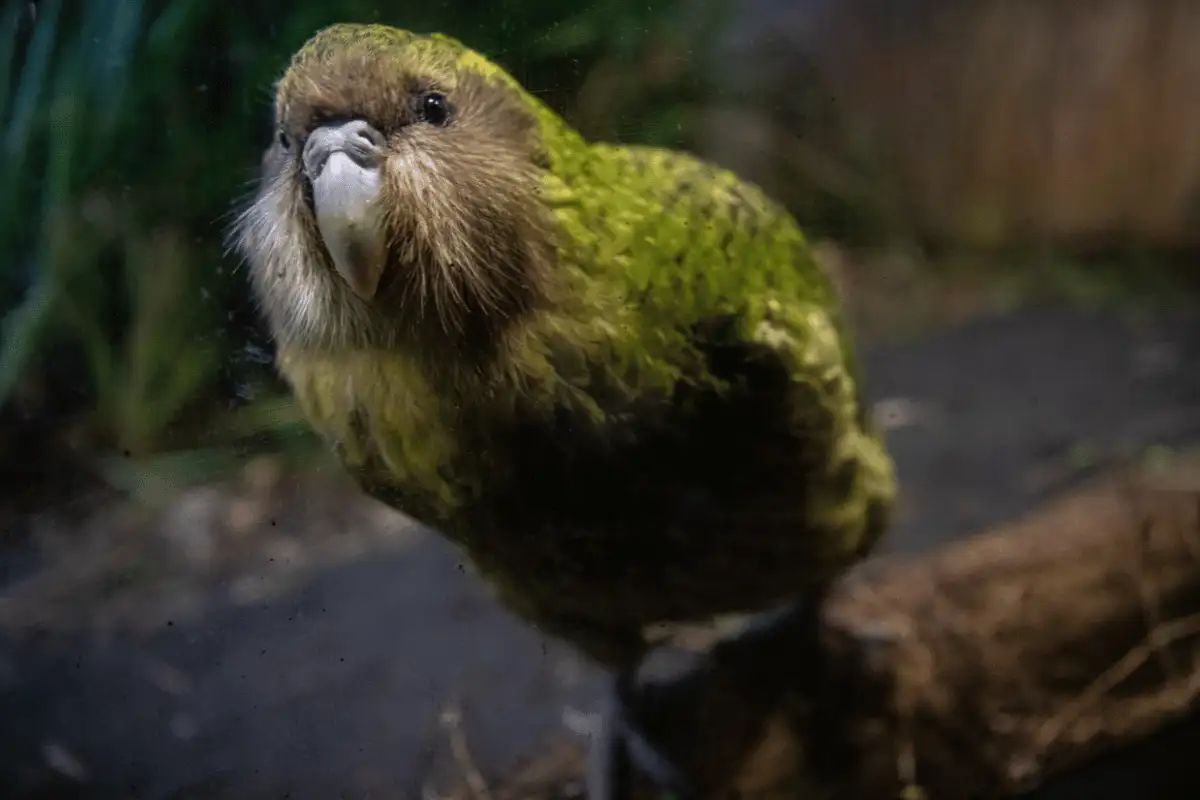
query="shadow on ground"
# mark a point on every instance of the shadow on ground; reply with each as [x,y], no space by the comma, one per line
[334,689]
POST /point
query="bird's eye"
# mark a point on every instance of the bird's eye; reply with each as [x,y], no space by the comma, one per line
[284,140]
[434,109]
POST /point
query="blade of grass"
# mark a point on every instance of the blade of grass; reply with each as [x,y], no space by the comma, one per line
[33,76]
[10,22]
[115,52]
[21,329]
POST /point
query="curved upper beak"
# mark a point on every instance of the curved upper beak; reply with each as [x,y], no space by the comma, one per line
[342,162]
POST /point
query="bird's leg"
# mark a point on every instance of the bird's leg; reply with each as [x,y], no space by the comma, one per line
[624,746]
[621,747]
[746,674]
[608,766]
[775,652]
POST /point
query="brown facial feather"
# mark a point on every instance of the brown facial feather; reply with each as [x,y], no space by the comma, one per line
[470,244]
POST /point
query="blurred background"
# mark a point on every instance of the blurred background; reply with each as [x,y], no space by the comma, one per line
[194,603]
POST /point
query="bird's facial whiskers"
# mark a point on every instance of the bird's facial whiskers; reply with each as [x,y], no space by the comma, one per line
[289,273]
[447,264]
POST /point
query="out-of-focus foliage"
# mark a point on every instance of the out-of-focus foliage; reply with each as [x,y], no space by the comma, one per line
[981,123]
[129,128]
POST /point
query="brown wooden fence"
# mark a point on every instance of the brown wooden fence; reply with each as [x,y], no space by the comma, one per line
[993,119]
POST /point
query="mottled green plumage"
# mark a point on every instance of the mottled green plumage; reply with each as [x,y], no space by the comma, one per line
[667,428]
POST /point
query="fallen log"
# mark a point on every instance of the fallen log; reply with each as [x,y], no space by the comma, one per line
[983,669]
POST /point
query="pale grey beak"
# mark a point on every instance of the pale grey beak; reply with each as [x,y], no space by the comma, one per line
[342,162]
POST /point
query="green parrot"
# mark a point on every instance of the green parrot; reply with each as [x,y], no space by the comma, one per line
[615,377]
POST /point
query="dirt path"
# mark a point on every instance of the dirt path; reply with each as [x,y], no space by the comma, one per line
[334,689]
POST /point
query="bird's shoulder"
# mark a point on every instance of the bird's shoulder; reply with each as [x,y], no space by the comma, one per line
[667,243]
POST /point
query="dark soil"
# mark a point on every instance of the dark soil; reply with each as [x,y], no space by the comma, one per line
[316,657]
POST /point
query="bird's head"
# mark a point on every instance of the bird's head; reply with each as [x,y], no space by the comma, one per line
[399,197]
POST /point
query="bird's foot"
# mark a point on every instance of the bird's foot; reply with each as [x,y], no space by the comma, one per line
[645,733]
[623,750]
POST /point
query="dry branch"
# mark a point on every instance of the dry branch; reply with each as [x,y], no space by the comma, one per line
[979,670]
[1031,649]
